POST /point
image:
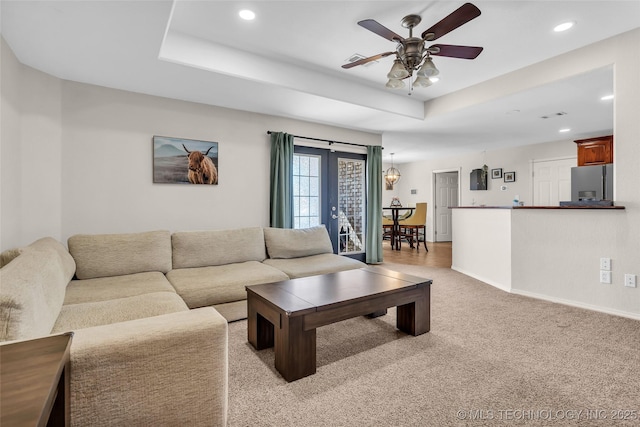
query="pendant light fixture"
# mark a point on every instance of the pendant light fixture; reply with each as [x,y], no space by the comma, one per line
[392,175]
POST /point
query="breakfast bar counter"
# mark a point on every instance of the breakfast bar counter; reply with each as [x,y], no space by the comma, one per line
[497,244]
[538,207]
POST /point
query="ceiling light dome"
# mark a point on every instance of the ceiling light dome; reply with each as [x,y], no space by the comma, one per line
[247,15]
[564,26]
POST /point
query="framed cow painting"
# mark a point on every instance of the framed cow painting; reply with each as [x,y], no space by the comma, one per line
[184,161]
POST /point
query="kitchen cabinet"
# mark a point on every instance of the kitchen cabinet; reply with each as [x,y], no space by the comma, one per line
[595,151]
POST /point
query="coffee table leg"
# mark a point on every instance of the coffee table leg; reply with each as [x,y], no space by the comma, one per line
[415,318]
[259,330]
[295,349]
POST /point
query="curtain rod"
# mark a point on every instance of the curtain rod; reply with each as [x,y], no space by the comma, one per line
[331,142]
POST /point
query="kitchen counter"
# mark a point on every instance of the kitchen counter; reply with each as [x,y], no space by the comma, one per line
[538,207]
[487,239]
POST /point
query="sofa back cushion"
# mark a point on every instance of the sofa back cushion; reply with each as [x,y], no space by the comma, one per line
[9,255]
[32,289]
[217,247]
[104,255]
[289,243]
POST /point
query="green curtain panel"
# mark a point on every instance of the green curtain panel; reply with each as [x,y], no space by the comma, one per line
[281,184]
[374,205]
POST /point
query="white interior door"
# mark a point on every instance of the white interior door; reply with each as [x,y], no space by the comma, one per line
[446,196]
[552,181]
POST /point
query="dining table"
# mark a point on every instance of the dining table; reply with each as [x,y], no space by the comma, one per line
[395,229]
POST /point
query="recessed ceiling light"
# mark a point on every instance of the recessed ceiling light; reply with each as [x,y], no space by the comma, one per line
[247,14]
[564,130]
[563,27]
[606,97]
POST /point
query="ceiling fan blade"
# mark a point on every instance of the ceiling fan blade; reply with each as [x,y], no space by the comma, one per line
[455,51]
[380,30]
[366,60]
[460,16]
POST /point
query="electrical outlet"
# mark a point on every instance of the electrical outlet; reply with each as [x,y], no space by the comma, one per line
[630,280]
[605,276]
[605,264]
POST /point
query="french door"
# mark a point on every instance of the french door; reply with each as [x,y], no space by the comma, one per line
[329,188]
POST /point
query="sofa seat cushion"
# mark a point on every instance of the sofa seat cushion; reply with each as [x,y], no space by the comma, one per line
[107,288]
[106,255]
[314,265]
[204,286]
[232,311]
[89,314]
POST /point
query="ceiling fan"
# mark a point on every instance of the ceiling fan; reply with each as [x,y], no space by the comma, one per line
[412,53]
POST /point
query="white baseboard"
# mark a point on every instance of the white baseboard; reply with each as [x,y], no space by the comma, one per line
[501,286]
[571,303]
[578,304]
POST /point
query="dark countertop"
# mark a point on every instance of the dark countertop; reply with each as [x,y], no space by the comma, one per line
[539,207]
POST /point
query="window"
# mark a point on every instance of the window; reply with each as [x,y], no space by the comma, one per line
[306,190]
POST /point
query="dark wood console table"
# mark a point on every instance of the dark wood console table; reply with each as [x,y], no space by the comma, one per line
[34,382]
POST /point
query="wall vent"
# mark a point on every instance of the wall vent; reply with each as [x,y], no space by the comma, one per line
[561,113]
[356,57]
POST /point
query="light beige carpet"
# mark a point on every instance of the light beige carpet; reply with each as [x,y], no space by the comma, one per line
[491,358]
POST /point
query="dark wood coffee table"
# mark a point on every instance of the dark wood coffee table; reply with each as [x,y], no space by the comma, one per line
[286,314]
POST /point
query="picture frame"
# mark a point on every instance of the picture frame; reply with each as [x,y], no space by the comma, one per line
[184,161]
[509,177]
[496,173]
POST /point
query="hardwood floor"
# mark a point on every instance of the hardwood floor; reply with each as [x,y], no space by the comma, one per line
[439,254]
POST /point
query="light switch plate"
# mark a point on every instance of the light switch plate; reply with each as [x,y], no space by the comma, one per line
[630,280]
[605,276]
[605,264]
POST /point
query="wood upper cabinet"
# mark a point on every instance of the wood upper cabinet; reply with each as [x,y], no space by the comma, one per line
[595,151]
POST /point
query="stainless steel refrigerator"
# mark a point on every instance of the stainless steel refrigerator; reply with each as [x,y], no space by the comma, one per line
[592,183]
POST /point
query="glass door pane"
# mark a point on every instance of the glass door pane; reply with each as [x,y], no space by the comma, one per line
[306,190]
[351,205]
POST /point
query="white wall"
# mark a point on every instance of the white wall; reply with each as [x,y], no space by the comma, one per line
[419,176]
[555,253]
[566,268]
[482,245]
[92,147]
[31,149]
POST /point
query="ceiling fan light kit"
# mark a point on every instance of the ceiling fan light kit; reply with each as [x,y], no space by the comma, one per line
[428,69]
[395,84]
[398,70]
[422,81]
[413,55]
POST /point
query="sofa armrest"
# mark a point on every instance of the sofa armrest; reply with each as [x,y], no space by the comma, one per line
[164,370]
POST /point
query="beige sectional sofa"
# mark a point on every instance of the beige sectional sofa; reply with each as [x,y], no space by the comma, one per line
[149,313]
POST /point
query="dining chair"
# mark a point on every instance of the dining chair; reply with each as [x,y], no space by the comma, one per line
[387,226]
[413,227]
